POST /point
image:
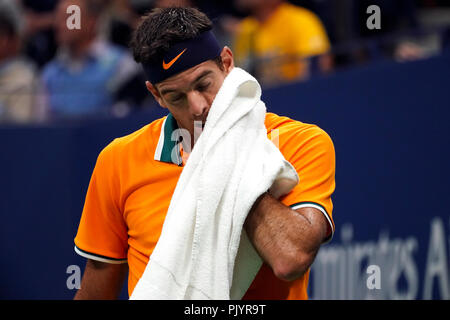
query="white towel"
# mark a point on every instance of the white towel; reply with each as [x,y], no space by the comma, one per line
[232,164]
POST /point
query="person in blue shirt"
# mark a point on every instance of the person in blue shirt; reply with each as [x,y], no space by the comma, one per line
[87,73]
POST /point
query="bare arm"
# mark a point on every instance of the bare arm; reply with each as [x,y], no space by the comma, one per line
[288,240]
[101,281]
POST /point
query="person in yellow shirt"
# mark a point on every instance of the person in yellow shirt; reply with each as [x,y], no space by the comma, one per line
[275,40]
[135,175]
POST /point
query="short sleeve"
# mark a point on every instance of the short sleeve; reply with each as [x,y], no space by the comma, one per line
[311,151]
[102,233]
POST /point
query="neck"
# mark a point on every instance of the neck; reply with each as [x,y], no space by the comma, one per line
[264,12]
[79,50]
[9,50]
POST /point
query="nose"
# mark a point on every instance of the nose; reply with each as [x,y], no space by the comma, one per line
[198,105]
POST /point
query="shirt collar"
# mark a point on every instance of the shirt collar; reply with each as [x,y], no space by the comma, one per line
[96,50]
[168,148]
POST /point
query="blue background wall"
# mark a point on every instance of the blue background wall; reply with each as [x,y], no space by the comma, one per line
[390,126]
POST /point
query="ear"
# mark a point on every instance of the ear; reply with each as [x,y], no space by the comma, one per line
[154,91]
[227,59]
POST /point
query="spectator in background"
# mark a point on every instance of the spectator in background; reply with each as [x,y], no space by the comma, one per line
[125,16]
[88,73]
[172,3]
[39,39]
[275,40]
[17,76]
[397,17]
[121,21]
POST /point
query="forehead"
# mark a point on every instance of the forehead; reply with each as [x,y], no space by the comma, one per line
[65,4]
[189,76]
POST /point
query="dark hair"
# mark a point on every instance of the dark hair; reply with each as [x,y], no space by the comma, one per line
[6,26]
[94,8]
[9,24]
[163,27]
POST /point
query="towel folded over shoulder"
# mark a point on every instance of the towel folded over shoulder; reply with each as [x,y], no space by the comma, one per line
[203,252]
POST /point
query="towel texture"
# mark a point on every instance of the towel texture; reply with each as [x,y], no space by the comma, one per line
[203,252]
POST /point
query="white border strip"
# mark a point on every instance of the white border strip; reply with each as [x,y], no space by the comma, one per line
[160,145]
[315,206]
[97,258]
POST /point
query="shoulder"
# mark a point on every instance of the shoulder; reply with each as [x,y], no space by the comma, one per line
[109,55]
[116,53]
[247,25]
[301,20]
[103,47]
[50,69]
[20,72]
[299,13]
[286,125]
[141,139]
[295,135]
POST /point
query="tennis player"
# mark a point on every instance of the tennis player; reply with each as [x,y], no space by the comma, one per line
[135,176]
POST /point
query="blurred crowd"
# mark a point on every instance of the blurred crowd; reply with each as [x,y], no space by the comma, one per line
[49,71]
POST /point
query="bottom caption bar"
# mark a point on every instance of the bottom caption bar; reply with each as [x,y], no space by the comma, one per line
[233,310]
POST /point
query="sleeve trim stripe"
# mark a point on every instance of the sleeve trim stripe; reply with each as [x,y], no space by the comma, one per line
[98,257]
[321,209]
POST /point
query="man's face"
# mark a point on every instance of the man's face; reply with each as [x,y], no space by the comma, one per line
[65,36]
[190,94]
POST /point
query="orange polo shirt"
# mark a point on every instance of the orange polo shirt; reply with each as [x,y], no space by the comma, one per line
[134,178]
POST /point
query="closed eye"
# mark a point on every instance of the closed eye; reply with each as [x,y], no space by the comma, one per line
[203,87]
[176,98]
